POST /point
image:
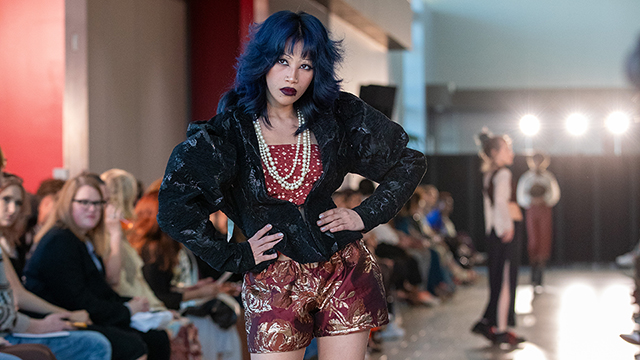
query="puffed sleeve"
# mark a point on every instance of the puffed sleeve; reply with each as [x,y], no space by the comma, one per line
[192,188]
[380,153]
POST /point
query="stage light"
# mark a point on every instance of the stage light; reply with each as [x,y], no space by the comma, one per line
[617,122]
[577,124]
[530,125]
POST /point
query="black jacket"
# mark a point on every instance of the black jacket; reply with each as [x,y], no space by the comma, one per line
[62,272]
[218,167]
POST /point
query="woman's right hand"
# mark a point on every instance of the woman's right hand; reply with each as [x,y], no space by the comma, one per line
[261,242]
[138,304]
[51,323]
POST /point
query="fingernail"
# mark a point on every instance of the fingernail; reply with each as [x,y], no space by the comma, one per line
[280,234]
[319,222]
[268,226]
[320,216]
[323,229]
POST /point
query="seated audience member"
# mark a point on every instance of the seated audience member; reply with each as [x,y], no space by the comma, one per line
[66,269]
[172,272]
[12,225]
[45,199]
[123,267]
[78,345]
[460,244]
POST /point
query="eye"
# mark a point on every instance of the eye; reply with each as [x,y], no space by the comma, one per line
[6,199]
[306,67]
[19,203]
[282,61]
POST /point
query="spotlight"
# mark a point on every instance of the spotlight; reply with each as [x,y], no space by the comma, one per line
[577,124]
[530,125]
[617,122]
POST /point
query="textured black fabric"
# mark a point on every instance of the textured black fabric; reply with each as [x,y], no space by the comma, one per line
[219,168]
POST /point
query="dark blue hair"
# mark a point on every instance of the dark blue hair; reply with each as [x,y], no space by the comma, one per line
[275,36]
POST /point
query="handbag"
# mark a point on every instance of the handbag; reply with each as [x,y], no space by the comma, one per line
[224,310]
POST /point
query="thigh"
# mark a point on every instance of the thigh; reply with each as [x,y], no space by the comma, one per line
[277,304]
[158,345]
[351,346]
[289,355]
[126,344]
[78,345]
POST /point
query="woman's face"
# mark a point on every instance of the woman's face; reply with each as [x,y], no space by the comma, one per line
[289,78]
[504,155]
[10,205]
[87,207]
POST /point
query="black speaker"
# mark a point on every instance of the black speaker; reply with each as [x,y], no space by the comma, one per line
[381,98]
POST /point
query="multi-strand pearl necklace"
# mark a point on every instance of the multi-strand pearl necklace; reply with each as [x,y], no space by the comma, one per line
[270,163]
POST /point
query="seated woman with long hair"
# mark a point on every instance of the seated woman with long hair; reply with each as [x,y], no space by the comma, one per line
[78,345]
[66,269]
[172,273]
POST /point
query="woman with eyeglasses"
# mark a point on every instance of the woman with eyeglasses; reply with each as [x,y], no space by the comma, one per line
[77,345]
[67,270]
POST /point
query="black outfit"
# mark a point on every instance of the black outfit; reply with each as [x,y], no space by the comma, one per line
[219,168]
[62,272]
[498,253]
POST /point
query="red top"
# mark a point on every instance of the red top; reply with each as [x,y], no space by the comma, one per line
[283,156]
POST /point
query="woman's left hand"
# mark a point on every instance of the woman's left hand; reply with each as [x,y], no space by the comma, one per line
[340,219]
[112,217]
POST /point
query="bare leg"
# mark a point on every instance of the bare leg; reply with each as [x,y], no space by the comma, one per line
[504,300]
[351,346]
[289,355]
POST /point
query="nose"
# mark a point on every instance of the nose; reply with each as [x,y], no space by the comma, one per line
[292,76]
[11,207]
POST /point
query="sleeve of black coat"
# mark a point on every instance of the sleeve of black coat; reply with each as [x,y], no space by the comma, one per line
[192,189]
[160,282]
[380,153]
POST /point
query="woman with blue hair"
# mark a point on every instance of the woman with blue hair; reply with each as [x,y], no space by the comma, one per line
[283,140]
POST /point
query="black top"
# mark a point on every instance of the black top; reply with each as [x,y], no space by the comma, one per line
[62,272]
[218,167]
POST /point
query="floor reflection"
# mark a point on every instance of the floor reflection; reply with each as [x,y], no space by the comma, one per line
[579,315]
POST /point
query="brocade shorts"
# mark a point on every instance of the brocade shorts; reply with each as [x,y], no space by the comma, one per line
[289,303]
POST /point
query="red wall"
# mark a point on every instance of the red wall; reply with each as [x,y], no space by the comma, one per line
[31,87]
[217,29]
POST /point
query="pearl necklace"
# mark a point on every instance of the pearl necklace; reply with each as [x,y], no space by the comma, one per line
[270,163]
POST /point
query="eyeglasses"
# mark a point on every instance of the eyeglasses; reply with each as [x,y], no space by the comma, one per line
[88,203]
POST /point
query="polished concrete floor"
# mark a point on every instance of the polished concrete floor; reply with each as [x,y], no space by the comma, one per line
[579,315]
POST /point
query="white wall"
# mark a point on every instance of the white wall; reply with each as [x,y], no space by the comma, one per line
[138,88]
[365,61]
[532,43]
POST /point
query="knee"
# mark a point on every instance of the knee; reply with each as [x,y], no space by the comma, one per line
[99,345]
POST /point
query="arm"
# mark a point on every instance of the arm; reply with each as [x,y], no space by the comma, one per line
[191,190]
[503,223]
[554,194]
[113,261]
[160,282]
[524,199]
[380,154]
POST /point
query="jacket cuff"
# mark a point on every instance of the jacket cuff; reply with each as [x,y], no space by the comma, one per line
[367,220]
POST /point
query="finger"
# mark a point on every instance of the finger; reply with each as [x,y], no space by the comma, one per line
[269,239]
[260,233]
[262,249]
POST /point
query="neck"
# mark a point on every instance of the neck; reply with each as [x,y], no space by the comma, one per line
[283,115]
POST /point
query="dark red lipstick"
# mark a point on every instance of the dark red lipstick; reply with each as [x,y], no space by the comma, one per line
[289,91]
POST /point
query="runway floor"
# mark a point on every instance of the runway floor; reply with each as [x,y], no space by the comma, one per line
[580,315]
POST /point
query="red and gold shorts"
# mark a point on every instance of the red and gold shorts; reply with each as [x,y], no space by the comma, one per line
[289,303]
